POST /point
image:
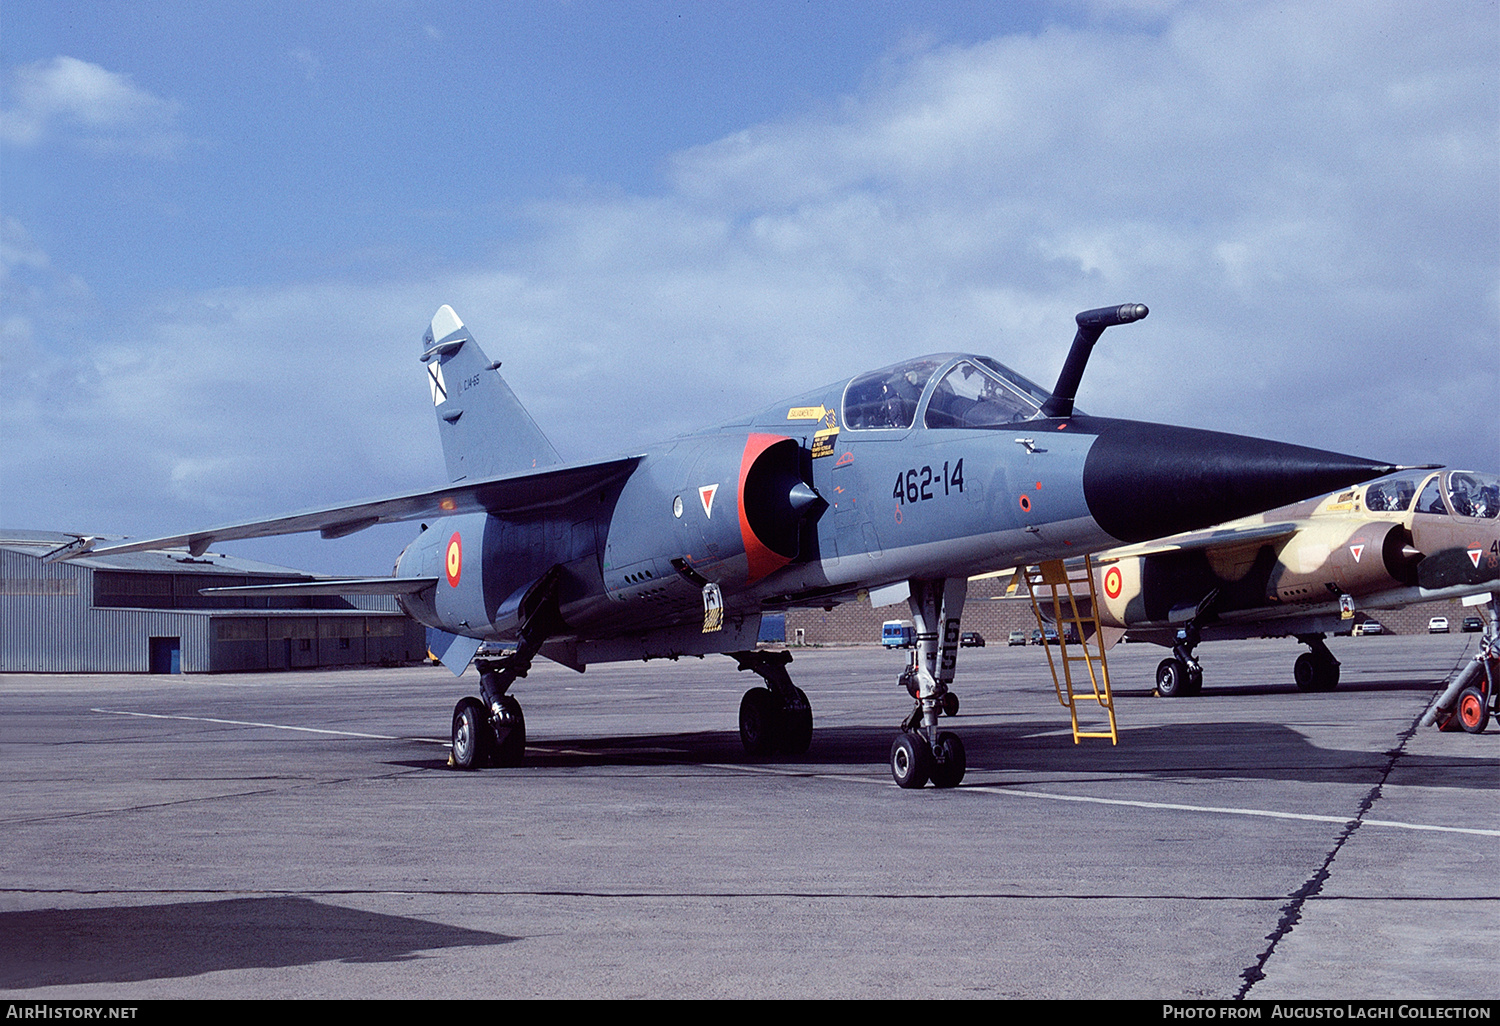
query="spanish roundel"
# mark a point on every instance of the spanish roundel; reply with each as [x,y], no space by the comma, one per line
[454,562]
[1112,582]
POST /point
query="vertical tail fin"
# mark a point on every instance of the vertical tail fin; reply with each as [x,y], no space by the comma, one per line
[484,428]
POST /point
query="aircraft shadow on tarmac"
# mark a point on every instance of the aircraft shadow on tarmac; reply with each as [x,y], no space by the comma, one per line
[1201,750]
[57,947]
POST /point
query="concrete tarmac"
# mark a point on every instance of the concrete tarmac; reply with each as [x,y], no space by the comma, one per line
[299,835]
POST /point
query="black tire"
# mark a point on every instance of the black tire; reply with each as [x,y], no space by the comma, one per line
[473,740]
[1328,676]
[1171,679]
[1314,673]
[795,730]
[1305,672]
[510,734]
[949,762]
[758,721]
[1194,681]
[1472,712]
[950,704]
[911,762]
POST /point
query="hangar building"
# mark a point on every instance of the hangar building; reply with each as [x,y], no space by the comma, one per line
[141,612]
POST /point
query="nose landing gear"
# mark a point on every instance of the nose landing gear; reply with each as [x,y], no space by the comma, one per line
[921,752]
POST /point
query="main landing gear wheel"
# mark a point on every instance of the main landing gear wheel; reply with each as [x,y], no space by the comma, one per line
[509,731]
[1314,674]
[758,721]
[796,725]
[481,740]
[911,761]
[1176,679]
[473,740]
[766,725]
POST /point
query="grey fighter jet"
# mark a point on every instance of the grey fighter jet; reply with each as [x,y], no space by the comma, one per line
[900,482]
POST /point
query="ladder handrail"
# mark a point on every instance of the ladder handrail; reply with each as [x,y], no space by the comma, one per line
[1055,576]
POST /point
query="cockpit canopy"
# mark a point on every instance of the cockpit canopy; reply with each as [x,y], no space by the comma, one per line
[1468,494]
[1474,495]
[961,392]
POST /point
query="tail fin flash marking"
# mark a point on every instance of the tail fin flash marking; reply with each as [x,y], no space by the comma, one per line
[484,428]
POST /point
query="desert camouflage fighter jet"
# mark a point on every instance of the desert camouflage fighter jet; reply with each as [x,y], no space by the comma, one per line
[1304,570]
[902,481]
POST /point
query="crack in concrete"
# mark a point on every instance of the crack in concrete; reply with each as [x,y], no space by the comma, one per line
[1291,913]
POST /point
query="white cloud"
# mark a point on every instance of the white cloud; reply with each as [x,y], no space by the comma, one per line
[88,106]
[1305,199]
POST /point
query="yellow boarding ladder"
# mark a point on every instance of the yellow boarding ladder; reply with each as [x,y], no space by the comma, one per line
[1068,587]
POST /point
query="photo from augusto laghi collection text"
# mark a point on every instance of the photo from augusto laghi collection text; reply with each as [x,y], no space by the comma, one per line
[1330,1010]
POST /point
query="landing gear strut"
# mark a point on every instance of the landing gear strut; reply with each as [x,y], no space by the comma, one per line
[778,716]
[912,682]
[1316,670]
[492,731]
[1181,676]
[921,752]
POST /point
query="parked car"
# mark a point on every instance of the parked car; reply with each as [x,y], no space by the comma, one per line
[1050,634]
[1437,625]
[1472,624]
[971,639]
[1368,627]
[1017,638]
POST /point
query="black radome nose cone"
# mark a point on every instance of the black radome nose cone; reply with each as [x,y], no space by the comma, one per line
[1144,481]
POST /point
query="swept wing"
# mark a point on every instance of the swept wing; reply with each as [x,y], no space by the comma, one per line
[501,495]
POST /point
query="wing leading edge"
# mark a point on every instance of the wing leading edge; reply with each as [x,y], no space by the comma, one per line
[503,494]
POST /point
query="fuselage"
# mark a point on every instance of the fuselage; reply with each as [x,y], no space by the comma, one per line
[1410,538]
[941,467]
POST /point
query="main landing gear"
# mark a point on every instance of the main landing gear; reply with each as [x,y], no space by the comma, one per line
[1181,675]
[1315,670]
[777,717]
[491,731]
[921,752]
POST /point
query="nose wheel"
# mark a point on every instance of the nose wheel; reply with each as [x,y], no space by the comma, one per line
[914,761]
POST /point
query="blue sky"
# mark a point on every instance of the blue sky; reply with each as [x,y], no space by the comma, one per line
[224,227]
